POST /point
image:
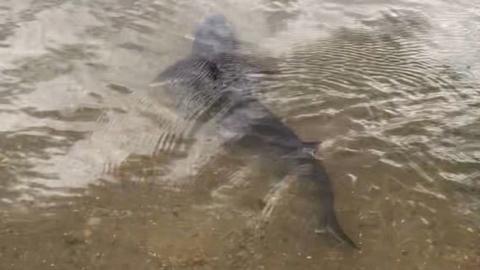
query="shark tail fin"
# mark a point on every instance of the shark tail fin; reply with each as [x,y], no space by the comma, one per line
[334,228]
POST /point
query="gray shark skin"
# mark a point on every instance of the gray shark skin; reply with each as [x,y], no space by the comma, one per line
[212,85]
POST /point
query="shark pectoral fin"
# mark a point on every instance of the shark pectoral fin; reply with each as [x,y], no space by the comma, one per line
[188,71]
[263,72]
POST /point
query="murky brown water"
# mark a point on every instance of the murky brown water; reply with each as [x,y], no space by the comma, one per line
[94,174]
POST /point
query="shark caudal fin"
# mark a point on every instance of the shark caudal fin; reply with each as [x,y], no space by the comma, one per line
[333,227]
[324,190]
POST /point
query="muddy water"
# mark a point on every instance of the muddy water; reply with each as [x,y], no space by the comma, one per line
[95,172]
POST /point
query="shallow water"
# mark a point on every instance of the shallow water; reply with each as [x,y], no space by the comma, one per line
[95,173]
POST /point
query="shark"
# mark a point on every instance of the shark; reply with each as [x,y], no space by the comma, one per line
[212,84]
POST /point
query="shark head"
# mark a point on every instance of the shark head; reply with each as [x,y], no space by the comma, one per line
[214,36]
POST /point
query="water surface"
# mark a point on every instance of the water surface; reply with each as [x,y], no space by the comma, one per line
[96,173]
